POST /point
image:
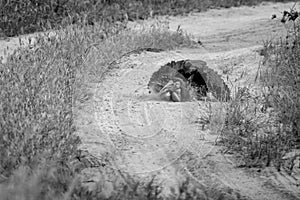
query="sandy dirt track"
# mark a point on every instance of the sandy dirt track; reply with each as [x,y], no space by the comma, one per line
[149,137]
[165,139]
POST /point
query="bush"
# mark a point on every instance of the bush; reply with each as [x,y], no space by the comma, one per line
[49,180]
[27,16]
[252,133]
[36,99]
[281,80]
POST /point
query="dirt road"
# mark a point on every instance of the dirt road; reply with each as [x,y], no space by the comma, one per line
[167,139]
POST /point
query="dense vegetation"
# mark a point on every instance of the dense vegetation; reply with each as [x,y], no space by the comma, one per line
[27,16]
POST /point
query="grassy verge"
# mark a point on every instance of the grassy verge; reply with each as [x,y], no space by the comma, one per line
[264,128]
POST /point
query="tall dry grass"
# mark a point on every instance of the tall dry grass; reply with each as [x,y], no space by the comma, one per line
[264,128]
